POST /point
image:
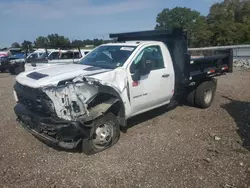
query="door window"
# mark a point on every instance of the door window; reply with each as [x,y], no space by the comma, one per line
[152,54]
[33,56]
[54,55]
[77,55]
[66,55]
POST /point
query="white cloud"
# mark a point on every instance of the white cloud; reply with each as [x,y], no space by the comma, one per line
[52,9]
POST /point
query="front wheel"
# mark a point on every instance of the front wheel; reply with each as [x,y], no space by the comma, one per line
[17,70]
[11,71]
[105,132]
[204,94]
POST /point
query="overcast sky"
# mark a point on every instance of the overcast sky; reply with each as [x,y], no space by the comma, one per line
[81,19]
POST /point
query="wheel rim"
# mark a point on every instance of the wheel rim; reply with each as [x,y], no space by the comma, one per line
[103,135]
[208,96]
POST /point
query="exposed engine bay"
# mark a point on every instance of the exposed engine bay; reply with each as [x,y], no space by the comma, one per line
[70,100]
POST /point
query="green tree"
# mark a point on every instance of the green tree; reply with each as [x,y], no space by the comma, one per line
[77,43]
[229,22]
[97,42]
[26,44]
[41,42]
[190,20]
[56,40]
[15,45]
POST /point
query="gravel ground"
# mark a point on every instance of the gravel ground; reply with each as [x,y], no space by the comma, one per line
[185,147]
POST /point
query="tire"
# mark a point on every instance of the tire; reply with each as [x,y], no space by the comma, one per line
[204,94]
[107,124]
[3,70]
[11,71]
[190,97]
[17,70]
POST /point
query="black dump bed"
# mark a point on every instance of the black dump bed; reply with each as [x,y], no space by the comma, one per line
[187,69]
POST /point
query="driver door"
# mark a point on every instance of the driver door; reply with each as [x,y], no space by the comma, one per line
[152,89]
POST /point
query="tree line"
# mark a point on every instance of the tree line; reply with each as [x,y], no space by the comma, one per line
[56,40]
[227,23]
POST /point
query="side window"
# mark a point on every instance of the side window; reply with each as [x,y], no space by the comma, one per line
[67,55]
[152,54]
[76,55]
[34,56]
[54,55]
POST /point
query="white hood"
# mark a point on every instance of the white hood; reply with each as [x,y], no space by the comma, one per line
[54,74]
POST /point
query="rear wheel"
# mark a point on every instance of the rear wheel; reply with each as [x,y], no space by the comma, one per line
[204,94]
[190,97]
[105,132]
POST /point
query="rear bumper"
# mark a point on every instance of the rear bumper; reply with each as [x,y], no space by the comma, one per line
[64,134]
[12,66]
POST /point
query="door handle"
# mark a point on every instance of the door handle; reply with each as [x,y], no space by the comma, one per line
[165,75]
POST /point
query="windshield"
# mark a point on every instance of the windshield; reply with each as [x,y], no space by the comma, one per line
[108,56]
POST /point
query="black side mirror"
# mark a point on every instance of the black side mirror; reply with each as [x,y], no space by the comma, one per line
[136,76]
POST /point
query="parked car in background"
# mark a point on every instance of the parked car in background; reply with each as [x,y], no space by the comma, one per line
[17,65]
[43,58]
[4,61]
[85,52]
[56,57]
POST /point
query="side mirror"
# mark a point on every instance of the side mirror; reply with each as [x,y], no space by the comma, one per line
[136,76]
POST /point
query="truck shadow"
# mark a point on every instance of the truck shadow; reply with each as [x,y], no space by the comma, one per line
[240,111]
[57,148]
[147,116]
[131,123]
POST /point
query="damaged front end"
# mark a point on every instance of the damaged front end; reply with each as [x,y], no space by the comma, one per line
[63,114]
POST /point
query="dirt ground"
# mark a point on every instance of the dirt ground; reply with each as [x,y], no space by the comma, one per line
[185,147]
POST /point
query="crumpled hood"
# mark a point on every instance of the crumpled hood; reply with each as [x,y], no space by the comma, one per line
[51,76]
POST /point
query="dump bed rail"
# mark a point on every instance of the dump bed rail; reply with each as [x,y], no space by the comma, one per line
[210,66]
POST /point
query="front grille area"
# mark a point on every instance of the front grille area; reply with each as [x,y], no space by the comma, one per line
[34,99]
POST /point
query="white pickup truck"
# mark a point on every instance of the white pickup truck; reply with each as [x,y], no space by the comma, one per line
[87,103]
[42,58]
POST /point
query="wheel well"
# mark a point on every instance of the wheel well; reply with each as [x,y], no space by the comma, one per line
[104,103]
[119,111]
